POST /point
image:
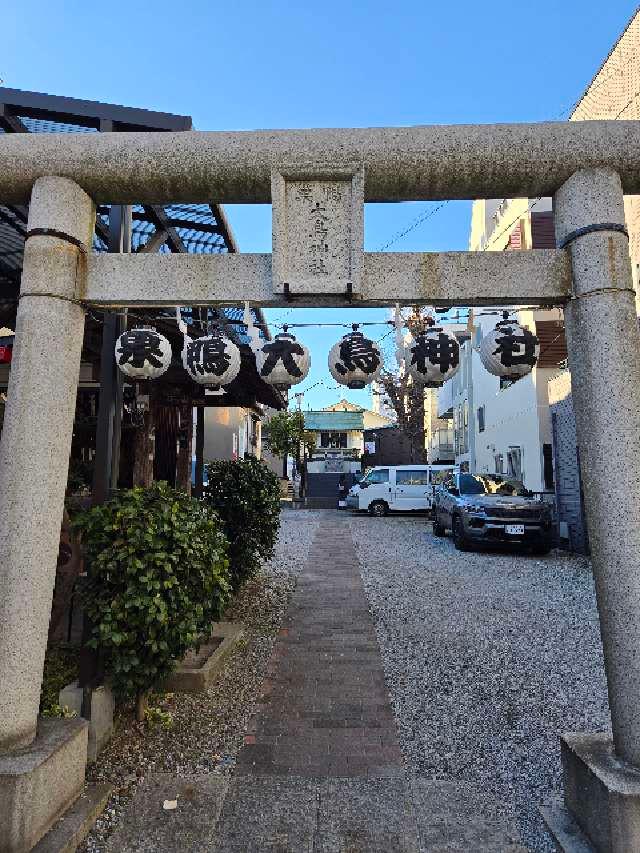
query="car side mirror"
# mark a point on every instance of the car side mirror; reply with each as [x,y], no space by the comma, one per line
[454,491]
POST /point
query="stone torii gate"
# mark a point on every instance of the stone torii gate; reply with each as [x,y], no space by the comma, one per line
[318,181]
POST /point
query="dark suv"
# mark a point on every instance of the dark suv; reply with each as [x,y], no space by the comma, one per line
[488,508]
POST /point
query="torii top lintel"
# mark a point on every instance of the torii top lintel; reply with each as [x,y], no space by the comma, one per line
[402,163]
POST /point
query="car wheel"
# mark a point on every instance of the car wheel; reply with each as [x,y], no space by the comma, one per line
[459,539]
[379,509]
[438,529]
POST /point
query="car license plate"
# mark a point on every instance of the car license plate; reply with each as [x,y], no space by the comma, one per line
[515,529]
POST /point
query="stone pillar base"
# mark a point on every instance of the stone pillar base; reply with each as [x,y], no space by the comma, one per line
[40,781]
[601,793]
[100,715]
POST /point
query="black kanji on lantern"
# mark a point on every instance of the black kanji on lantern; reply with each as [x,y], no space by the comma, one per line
[208,356]
[510,343]
[282,348]
[357,353]
[442,351]
[140,346]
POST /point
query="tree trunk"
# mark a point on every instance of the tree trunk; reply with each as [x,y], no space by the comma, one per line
[142,703]
[144,451]
[183,465]
[166,453]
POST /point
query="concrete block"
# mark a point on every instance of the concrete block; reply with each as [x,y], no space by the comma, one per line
[66,835]
[318,229]
[566,833]
[40,781]
[601,792]
[147,827]
[100,714]
[194,674]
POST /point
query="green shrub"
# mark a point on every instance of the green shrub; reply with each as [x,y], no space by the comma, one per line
[158,578]
[60,668]
[246,496]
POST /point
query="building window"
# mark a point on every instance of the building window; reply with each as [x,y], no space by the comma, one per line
[514,463]
[499,463]
[481,419]
[333,440]
[547,460]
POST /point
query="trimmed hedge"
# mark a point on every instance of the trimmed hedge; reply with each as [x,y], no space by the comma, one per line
[158,578]
[246,496]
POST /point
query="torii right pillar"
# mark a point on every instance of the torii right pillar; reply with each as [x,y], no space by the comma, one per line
[602,776]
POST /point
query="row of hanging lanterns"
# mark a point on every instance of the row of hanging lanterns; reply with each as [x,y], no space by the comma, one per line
[430,357]
[510,350]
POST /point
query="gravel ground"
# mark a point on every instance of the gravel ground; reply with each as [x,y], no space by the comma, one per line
[207,729]
[488,658]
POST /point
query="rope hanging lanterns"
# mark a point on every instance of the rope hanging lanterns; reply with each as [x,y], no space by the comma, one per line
[212,360]
[355,361]
[433,356]
[510,350]
[284,361]
[143,353]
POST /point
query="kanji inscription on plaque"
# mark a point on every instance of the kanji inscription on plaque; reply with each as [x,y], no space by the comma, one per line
[317,231]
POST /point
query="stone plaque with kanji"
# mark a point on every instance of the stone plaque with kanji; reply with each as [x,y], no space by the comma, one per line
[317,232]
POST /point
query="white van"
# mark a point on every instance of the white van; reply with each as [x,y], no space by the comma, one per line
[399,488]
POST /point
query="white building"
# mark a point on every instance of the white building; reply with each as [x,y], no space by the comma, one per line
[381,402]
[503,427]
[339,429]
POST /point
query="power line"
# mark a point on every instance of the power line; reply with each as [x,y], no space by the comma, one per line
[423,217]
[626,107]
[592,89]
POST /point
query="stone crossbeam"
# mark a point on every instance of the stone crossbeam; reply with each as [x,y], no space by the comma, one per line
[400,164]
[542,277]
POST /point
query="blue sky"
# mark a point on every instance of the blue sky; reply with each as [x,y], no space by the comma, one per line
[268,64]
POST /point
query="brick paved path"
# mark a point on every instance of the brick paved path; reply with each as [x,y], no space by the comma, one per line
[321,770]
[326,710]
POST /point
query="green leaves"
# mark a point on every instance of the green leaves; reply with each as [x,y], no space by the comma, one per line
[284,433]
[158,578]
[246,497]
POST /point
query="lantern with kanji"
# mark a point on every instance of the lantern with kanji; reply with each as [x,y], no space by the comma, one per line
[284,361]
[432,356]
[355,361]
[509,350]
[143,353]
[212,360]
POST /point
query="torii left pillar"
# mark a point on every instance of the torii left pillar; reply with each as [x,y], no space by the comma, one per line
[42,762]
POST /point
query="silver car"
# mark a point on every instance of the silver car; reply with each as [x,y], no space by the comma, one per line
[490,509]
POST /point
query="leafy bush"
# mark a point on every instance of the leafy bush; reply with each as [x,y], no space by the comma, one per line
[246,496]
[158,578]
[60,668]
[284,432]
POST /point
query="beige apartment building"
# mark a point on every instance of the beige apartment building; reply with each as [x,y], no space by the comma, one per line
[522,223]
[503,417]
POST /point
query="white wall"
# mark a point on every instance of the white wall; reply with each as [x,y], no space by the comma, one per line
[517,416]
[226,433]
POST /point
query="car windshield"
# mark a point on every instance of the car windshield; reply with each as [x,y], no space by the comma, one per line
[376,475]
[491,484]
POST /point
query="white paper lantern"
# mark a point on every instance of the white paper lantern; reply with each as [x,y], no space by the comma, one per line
[355,361]
[509,350]
[212,360]
[143,353]
[432,357]
[284,361]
